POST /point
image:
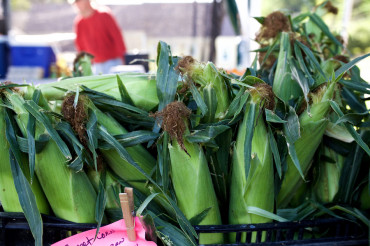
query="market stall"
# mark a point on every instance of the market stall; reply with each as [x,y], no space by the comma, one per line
[277,155]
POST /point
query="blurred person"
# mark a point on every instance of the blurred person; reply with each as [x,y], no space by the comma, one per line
[98,33]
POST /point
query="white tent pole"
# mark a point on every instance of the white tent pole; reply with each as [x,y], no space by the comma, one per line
[348,6]
[249,26]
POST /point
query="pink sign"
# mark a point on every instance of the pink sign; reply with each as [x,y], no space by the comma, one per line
[110,235]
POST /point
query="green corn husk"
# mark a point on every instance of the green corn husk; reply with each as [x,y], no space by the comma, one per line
[256,190]
[140,87]
[193,187]
[70,194]
[365,198]
[313,125]
[8,193]
[213,87]
[112,187]
[120,166]
[284,86]
[190,174]
[327,183]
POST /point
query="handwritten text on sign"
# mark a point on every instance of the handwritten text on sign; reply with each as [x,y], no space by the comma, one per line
[111,235]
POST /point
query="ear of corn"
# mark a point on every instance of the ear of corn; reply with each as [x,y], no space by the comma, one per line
[328,175]
[313,125]
[70,194]
[284,86]
[8,194]
[365,197]
[120,166]
[140,87]
[213,86]
[255,189]
[193,187]
[112,187]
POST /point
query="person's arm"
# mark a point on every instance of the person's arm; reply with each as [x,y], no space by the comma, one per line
[116,35]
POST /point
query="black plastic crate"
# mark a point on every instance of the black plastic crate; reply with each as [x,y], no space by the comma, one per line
[14,231]
[330,231]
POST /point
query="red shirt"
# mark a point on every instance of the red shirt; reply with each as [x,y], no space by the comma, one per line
[100,36]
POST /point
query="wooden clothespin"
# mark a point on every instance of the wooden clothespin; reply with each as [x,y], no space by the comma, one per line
[127,205]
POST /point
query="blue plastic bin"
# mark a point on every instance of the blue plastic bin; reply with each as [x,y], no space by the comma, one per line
[33,56]
[3,57]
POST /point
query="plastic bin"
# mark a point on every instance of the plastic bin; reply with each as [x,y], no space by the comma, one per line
[14,231]
[33,56]
[3,56]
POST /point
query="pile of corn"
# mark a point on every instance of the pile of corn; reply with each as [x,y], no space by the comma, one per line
[288,140]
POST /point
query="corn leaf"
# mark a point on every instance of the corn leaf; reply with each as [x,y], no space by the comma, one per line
[272,48]
[77,95]
[292,127]
[66,128]
[125,97]
[344,68]
[97,94]
[101,201]
[355,85]
[26,197]
[27,200]
[195,220]
[293,155]
[249,124]
[198,99]
[299,56]
[164,161]
[206,135]
[35,110]
[120,105]
[210,99]
[77,164]
[170,234]
[324,28]
[249,81]
[92,134]
[39,144]
[275,152]
[352,118]
[349,174]
[260,19]
[143,206]
[167,79]
[136,137]
[10,133]
[8,86]
[354,101]
[272,117]
[352,211]
[234,104]
[350,128]
[166,76]
[237,106]
[312,57]
[299,76]
[264,213]
[31,128]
